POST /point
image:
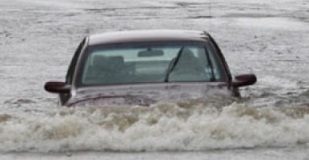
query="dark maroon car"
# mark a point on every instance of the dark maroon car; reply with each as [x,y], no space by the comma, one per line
[144,67]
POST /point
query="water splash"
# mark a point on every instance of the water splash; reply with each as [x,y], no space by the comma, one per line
[185,126]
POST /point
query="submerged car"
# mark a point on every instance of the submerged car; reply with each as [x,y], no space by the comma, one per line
[144,67]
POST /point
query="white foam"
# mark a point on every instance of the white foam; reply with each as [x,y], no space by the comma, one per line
[162,127]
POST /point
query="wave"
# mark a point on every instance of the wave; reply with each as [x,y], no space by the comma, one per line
[186,126]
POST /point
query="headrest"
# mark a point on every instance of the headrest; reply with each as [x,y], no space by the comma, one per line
[109,63]
[187,56]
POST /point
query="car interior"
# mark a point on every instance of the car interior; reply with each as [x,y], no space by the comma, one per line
[191,66]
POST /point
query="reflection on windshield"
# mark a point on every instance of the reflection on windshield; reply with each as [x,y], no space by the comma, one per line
[149,63]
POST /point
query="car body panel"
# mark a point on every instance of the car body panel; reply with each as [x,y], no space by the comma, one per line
[146,36]
[143,93]
[147,94]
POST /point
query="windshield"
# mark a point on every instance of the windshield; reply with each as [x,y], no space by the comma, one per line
[150,63]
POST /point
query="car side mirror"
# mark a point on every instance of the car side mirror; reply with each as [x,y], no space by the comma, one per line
[57,87]
[244,80]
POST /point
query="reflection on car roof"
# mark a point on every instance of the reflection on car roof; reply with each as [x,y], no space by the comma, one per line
[147,36]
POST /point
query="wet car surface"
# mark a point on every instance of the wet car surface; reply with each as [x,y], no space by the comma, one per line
[268,38]
[145,67]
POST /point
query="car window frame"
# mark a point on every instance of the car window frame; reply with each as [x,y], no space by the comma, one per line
[83,59]
[71,70]
[226,71]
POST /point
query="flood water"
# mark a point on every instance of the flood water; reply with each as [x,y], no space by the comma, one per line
[268,38]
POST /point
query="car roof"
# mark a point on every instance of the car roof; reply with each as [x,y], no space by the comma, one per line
[147,36]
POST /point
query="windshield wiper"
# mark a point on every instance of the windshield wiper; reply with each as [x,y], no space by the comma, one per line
[172,64]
